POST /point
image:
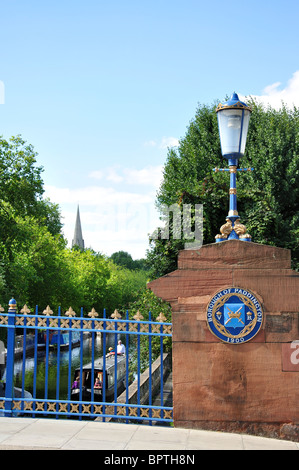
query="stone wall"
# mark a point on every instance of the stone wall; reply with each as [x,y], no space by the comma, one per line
[247,387]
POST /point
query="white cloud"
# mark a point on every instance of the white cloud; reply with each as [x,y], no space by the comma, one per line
[150,143]
[169,142]
[95,195]
[147,176]
[163,144]
[109,174]
[113,227]
[117,217]
[274,95]
[150,175]
[97,174]
[113,176]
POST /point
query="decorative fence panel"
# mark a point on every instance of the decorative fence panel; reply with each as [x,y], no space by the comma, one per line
[63,366]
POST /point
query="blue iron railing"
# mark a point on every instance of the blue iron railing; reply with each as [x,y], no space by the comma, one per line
[39,375]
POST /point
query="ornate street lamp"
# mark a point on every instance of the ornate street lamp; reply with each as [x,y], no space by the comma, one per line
[233,121]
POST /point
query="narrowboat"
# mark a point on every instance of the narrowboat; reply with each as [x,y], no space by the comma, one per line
[17,393]
[111,377]
[63,339]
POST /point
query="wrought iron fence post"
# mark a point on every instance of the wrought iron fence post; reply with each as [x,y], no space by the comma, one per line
[9,386]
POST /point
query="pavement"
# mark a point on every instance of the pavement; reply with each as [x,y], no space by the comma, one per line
[51,434]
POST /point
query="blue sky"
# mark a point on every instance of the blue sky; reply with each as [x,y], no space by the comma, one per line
[102,89]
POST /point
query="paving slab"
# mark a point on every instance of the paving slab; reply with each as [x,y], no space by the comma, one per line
[263,443]
[99,436]
[211,440]
[41,433]
[52,434]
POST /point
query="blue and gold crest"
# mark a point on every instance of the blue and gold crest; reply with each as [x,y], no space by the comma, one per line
[234,315]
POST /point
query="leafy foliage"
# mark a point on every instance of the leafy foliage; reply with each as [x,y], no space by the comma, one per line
[268,199]
[36,267]
[21,184]
[123,258]
[150,306]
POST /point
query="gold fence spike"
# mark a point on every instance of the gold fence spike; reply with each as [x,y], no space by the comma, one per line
[25,310]
[138,316]
[93,313]
[115,315]
[48,311]
[70,312]
[161,318]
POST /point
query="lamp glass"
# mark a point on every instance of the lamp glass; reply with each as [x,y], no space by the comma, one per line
[233,127]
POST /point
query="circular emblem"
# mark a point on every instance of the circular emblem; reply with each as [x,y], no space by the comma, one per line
[234,315]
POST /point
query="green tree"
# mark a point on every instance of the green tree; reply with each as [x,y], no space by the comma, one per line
[21,184]
[150,306]
[31,244]
[35,265]
[268,199]
[123,258]
[123,286]
[32,261]
[88,276]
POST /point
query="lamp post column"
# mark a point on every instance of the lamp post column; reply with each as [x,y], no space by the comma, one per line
[233,213]
[233,120]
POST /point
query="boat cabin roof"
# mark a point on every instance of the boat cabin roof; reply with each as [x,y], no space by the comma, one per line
[98,363]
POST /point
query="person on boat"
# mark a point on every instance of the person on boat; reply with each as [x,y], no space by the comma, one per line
[98,383]
[110,352]
[76,383]
[121,348]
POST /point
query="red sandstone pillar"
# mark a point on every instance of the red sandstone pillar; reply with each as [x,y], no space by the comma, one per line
[249,387]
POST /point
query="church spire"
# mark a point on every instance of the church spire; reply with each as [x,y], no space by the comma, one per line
[78,239]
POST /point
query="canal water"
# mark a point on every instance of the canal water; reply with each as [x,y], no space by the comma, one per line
[52,368]
[51,381]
